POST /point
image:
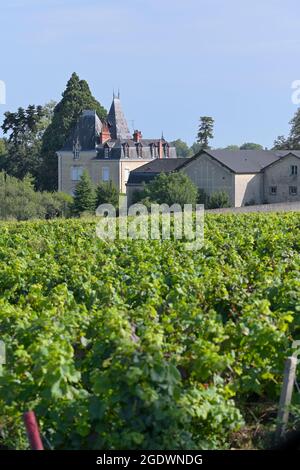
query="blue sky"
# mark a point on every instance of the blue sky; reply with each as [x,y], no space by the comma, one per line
[172,60]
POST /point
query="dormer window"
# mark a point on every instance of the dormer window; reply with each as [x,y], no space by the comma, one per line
[166,150]
[294,170]
[139,150]
[126,150]
[106,151]
[76,150]
[152,150]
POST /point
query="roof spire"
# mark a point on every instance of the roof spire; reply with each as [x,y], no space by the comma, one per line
[119,93]
[113,93]
[162,135]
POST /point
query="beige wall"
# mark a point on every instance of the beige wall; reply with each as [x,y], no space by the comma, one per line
[248,189]
[130,165]
[87,160]
[279,174]
[66,162]
[209,175]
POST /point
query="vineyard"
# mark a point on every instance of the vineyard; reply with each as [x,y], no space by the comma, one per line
[143,344]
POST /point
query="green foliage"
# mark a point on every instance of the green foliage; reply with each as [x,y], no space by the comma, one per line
[195,148]
[251,146]
[19,200]
[169,188]
[107,193]
[219,199]
[205,131]
[202,198]
[76,97]
[25,129]
[84,196]
[232,147]
[140,345]
[182,149]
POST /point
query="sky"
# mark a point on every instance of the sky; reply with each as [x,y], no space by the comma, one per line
[172,60]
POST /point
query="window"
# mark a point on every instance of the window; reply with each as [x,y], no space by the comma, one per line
[166,150]
[126,150]
[293,190]
[126,174]
[76,173]
[294,169]
[106,151]
[139,150]
[273,190]
[105,174]
[76,154]
[76,150]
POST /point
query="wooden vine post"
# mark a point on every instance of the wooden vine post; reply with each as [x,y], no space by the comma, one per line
[286,396]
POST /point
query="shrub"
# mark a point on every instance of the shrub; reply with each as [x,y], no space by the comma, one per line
[218,200]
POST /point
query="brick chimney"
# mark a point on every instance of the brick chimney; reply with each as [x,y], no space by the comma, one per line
[105,134]
[137,135]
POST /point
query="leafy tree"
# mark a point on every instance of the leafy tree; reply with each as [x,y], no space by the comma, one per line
[205,131]
[232,147]
[218,200]
[169,188]
[294,136]
[281,143]
[19,200]
[107,193]
[76,97]
[24,129]
[182,149]
[195,148]
[251,146]
[3,152]
[202,197]
[84,195]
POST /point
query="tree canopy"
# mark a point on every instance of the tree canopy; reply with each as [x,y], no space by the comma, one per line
[205,131]
[24,129]
[76,97]
[169,188]
[84,195]
[182,148]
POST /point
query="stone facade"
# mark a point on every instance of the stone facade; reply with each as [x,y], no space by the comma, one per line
[106,150]
[248,177]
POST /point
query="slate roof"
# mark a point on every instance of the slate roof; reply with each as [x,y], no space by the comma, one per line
[239,162]
[147,172]
[243,161]
[118,126]
[86,132]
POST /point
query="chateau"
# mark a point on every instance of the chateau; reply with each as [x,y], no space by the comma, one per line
[106,149]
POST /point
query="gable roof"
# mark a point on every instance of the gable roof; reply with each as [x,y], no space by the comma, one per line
[241,161]
[118,126]
[86,132]
[147,172]
[237,161]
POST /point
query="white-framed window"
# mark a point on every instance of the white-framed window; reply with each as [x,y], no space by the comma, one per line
[76,173]
[105,173]
[126,174]
[106,151]
[294,169]
[126,150]
[76,150]
[273,190]
[166,150]
[293,190]
[139,150]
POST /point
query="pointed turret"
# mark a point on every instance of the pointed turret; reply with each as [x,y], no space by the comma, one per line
[118,126]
